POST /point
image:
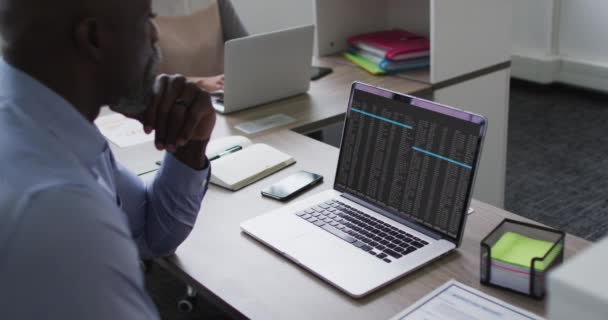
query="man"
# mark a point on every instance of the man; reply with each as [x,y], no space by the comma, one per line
[74,223]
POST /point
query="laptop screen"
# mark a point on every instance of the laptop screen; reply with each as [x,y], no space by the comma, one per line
[411,157]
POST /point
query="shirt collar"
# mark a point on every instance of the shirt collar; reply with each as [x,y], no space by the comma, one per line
[52,112]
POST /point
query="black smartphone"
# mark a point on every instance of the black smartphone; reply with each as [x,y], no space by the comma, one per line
[319,72]
[293,185]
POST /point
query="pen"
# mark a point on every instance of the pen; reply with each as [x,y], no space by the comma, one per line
[228,151]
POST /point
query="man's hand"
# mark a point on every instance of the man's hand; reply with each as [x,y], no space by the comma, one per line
[183,117]
[210,84]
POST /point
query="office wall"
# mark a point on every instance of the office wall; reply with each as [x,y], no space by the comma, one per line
[561,41]
[534,46]
[532,27]
[583,44]
[257,15]
[268,15]
[583,30]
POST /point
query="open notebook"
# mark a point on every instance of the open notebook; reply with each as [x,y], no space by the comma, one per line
[237,162]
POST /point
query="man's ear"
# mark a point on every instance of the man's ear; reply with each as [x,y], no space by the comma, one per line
[88,38]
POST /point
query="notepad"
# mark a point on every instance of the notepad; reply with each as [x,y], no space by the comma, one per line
[519,250]
[235,170]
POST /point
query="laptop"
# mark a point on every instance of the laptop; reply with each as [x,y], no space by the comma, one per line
[402,188]
[265,67]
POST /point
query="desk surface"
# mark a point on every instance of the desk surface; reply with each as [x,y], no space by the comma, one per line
[261,284]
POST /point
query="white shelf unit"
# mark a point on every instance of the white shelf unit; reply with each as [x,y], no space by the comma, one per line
[470,40]
[465,35]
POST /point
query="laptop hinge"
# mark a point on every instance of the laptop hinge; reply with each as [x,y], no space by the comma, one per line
[411,224]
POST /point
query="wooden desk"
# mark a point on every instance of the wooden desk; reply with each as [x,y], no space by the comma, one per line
[261,284]
[251,280]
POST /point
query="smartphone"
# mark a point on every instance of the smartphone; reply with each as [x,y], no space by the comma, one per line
[293,185]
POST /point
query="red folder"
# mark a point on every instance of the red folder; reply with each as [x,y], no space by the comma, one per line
[392,44]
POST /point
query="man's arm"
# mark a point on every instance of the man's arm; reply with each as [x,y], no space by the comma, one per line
[72,257]
[193,154]
[163,211]
[163,214]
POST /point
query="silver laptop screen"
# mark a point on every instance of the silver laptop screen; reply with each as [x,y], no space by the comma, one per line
[415,161]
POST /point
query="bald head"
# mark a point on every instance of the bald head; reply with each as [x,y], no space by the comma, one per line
[92,52]
[41,20]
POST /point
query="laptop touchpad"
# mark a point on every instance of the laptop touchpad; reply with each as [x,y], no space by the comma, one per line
[334,260]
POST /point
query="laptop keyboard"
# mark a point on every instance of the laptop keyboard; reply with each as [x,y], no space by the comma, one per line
[363,231]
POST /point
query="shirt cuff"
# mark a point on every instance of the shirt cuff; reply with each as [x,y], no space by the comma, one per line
[181,178]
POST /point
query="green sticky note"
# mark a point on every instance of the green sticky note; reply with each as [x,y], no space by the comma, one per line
[365,63]
[519,250]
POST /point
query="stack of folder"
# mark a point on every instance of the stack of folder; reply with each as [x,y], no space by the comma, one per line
[511,261]
[389,51]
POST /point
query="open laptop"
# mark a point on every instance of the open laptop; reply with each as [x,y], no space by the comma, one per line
[265,67]
[402,188]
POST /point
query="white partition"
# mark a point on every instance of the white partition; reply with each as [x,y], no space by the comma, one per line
[487,95]
[465,35]
[468,35]
[339,19]
[412,15]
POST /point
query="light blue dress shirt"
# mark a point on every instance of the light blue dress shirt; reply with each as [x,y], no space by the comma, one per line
[74,223]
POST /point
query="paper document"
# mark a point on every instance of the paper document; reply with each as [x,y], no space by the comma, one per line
[456,301]
[122,131]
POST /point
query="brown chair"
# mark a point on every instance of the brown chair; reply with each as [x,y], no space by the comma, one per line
[193,45]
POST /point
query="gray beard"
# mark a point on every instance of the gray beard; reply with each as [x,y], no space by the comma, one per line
[140,96]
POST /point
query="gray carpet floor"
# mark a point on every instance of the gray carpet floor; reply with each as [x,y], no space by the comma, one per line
[557,162]
[557,174]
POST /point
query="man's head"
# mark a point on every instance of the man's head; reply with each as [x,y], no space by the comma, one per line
[92,52]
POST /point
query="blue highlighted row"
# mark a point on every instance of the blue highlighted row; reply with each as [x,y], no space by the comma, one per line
[382,118]
[443,158]
[410,127]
